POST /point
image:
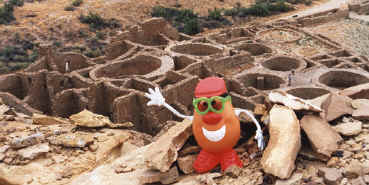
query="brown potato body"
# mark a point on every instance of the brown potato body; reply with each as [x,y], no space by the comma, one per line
[232,134]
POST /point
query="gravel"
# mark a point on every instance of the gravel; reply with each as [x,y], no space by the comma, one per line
[359,36]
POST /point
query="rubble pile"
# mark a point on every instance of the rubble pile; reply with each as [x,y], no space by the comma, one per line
[51,150]
[359,6]
[303,147]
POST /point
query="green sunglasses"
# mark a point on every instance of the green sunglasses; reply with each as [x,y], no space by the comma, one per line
[215,104]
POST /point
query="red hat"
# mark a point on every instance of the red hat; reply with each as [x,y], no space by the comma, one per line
[211,86]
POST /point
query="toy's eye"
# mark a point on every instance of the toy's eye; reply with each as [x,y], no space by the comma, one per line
[216,104]
[202,106]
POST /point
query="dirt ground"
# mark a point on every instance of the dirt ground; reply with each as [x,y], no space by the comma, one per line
[351,33]
[41,16]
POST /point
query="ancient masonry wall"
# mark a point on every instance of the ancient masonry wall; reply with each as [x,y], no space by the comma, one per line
[253,60]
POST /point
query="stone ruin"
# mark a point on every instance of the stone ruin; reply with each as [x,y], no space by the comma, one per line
[254,60]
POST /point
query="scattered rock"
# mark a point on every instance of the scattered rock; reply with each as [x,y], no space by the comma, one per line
[110,134]
[309,154]
[353,170]
[105,174]
[4,148]
[322,137]
[88,119]
[164,129]
[293,102]
[40,119]
[127,147]
[8,118]
[121,125]
[333,162]
[331,176]
[361,113]
[347,154]
[33,139]
[318,101]
[284,130]
[77,139]
[123,169]
[149,176]
[336,106]
[8,160]
[170,177]
[365,166]
[295,179]
[185,163]
[356,147]
[349,129]
[189,150]
[344,181]
[3,109]
[207,178]
[366,179]
[233,171]
[93,147]
[310,172]
[112,145]
[33,152]
[188,180]
[358,181]
[11,112]
[163,152]
[360,103]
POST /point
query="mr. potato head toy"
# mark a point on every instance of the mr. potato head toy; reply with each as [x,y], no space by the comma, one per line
[215,124]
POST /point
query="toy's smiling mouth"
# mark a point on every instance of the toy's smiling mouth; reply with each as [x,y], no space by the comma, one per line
[215,135]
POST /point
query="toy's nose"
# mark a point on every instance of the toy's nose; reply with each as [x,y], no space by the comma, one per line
[211,118]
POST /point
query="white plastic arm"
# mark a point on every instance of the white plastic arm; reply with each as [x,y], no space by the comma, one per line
[259,133]
[156,98]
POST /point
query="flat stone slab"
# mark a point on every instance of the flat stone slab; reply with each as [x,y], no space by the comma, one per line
[322,136]
[284,143]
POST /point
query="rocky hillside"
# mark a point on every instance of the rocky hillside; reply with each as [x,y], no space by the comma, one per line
[31,23]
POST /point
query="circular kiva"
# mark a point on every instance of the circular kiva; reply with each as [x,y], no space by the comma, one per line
[284,63]
[146,66]
[262,81]
[308,92]
[342,79]
[279,35]
[254,49]
[196,49]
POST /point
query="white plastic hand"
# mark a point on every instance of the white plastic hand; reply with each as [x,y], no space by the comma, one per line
[259,133]
[155,96]
[260,139]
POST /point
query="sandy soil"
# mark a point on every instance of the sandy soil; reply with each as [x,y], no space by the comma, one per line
[350,33]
